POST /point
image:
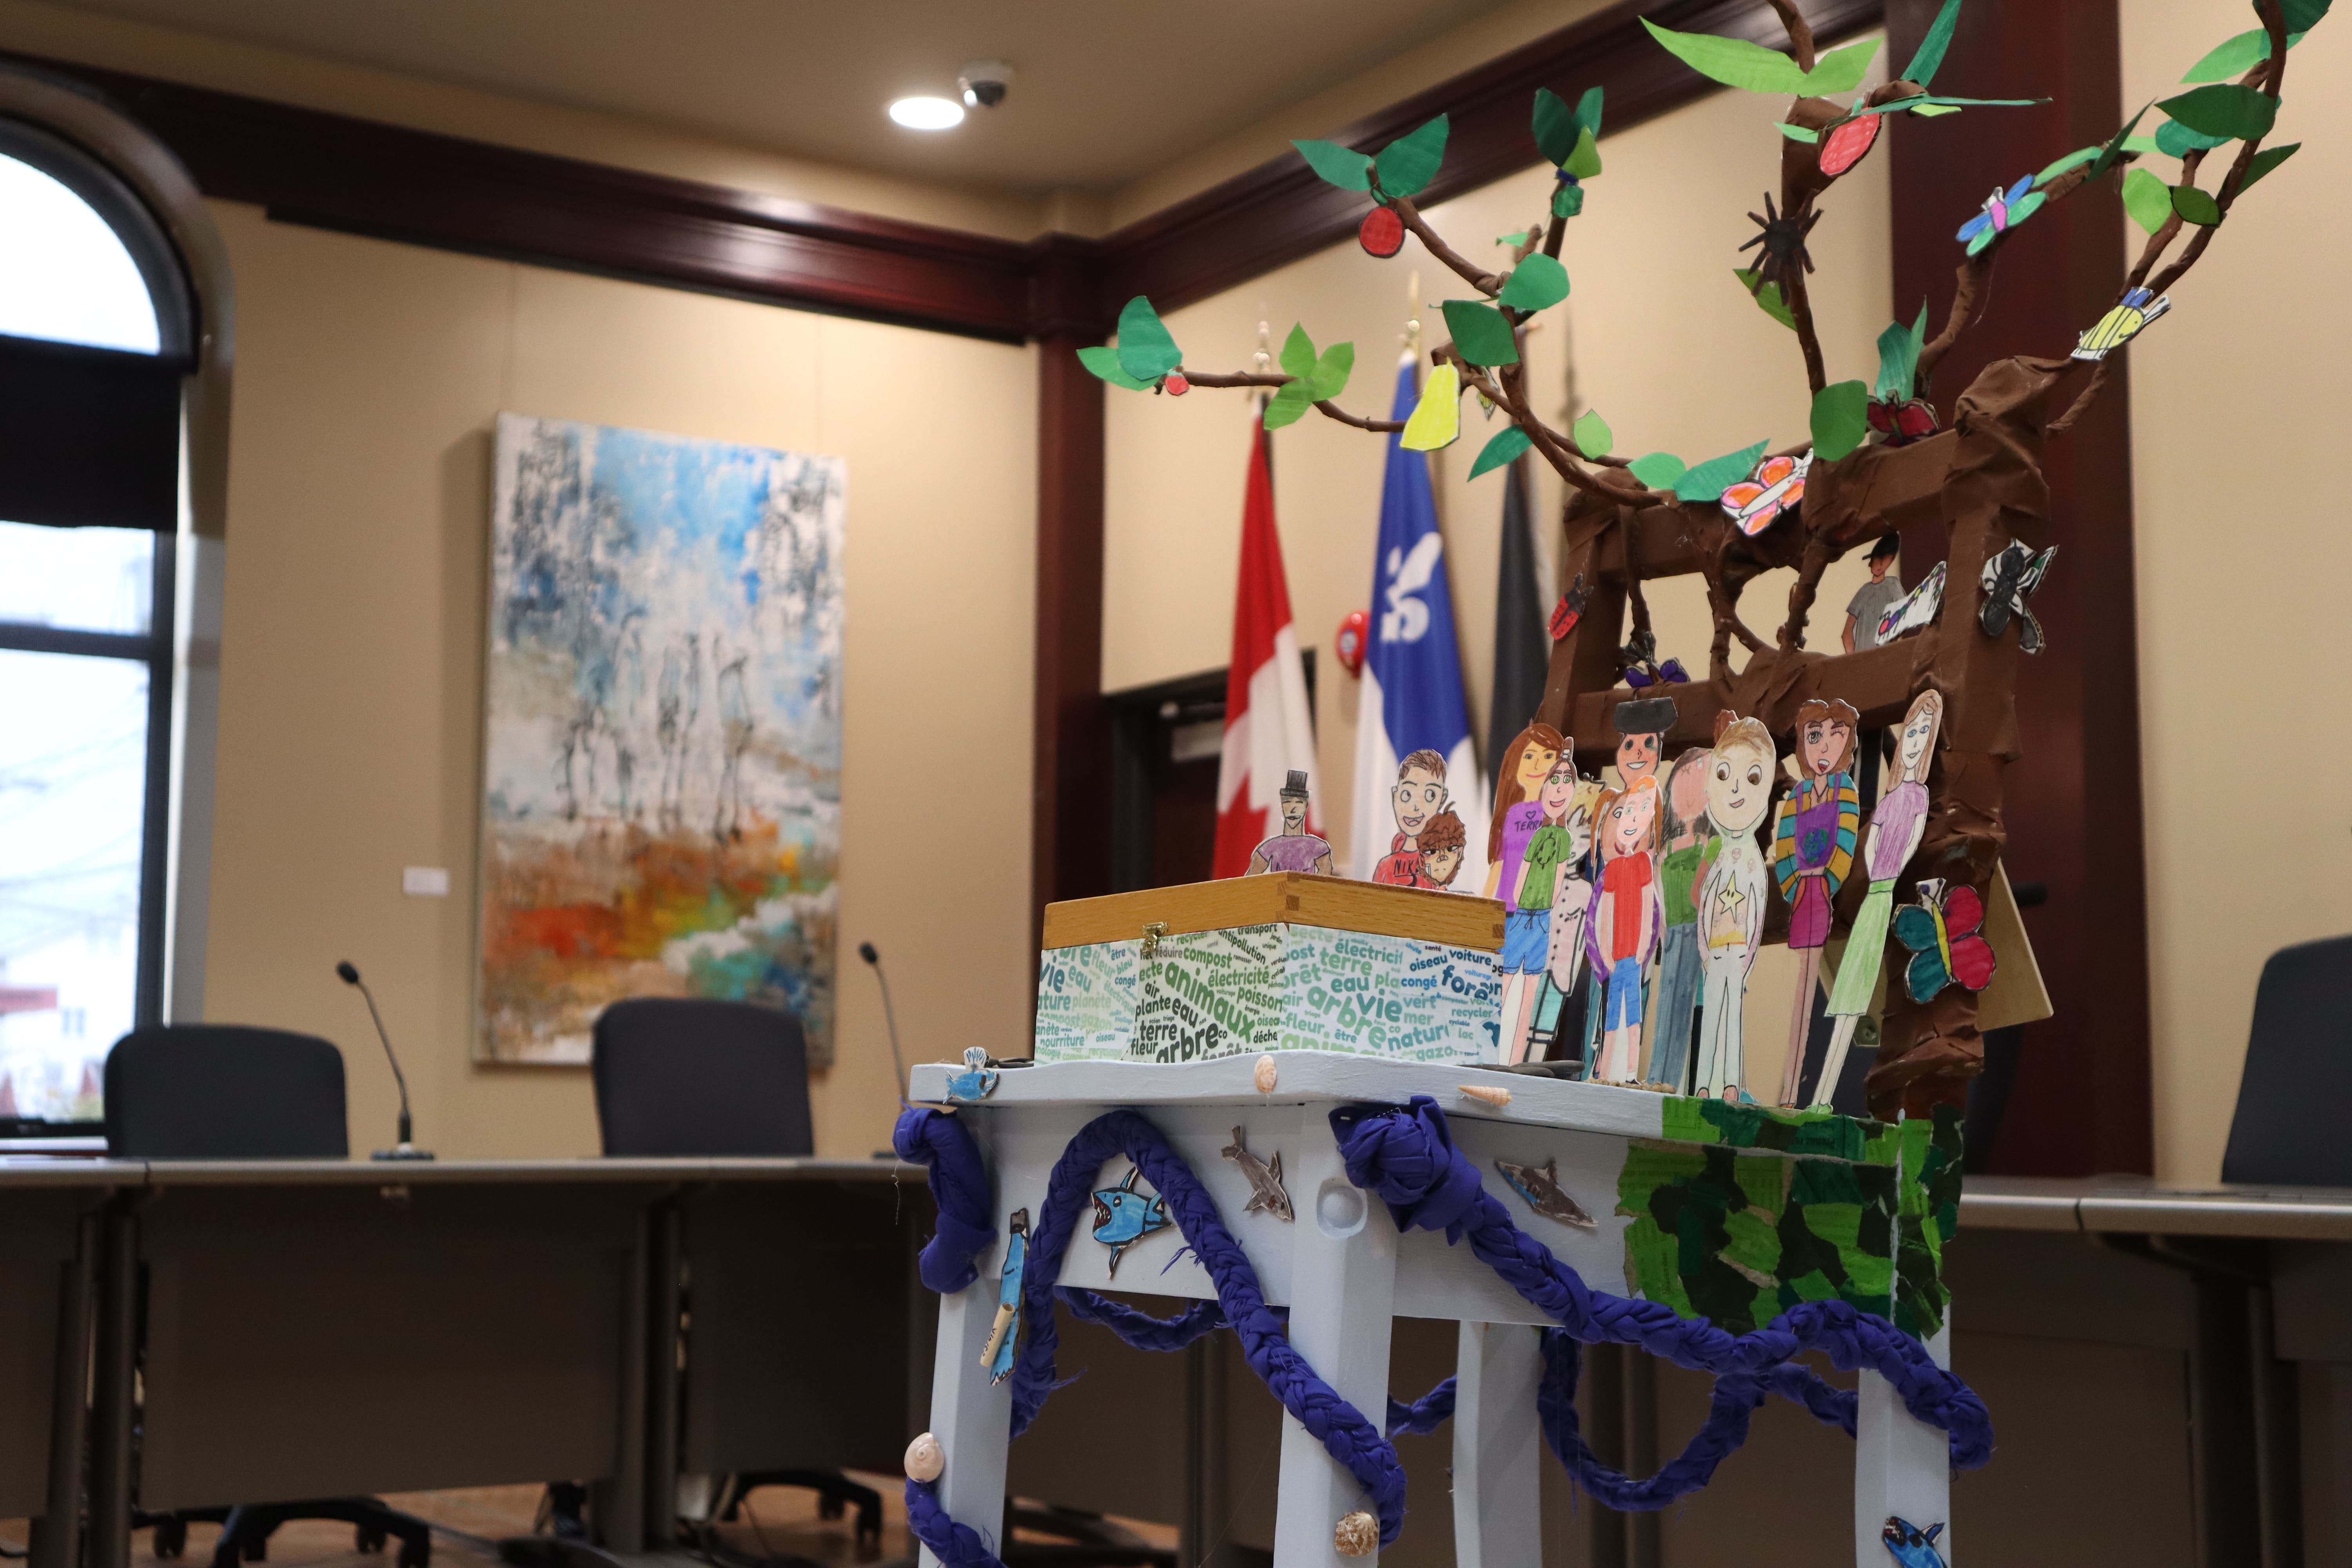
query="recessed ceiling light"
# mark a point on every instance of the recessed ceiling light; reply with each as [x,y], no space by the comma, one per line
[928,113]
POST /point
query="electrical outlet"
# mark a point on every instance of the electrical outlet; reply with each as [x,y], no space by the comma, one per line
[424,881]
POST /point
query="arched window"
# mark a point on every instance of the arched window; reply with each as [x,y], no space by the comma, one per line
[97,329]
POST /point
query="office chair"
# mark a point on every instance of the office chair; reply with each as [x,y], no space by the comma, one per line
[2298,1063]
[207,1092]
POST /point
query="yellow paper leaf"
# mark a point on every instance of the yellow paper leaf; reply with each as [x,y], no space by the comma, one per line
[1437,418]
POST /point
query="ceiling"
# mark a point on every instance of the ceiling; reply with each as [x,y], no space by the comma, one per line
[1108,89]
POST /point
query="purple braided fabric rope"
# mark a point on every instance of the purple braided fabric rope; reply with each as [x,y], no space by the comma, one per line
[960,1189]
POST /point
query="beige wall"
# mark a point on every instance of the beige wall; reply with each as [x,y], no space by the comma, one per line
[368,378]
[2243,560]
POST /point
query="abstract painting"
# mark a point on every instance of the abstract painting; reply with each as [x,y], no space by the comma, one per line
[662,732]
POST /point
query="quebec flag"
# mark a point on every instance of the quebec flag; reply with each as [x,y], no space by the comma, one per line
[1412,695]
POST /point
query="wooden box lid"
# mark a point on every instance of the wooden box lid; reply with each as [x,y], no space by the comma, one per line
[1292,897]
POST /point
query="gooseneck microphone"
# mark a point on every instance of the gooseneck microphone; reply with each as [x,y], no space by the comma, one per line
[406,1150]
[866,950]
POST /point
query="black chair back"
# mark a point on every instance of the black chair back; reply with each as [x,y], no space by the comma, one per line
[2298,1069]
[677,1077]
[218,1091]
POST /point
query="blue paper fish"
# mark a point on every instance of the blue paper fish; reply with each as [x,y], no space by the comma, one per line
[1124,1217]
[977,1079]
[1910,1546]
[997,1355]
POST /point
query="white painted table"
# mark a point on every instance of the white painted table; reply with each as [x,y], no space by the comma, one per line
[1345,1273]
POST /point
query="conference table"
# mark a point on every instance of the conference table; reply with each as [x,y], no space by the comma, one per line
[270,1330]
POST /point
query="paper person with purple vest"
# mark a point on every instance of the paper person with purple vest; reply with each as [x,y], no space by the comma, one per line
[1294,848]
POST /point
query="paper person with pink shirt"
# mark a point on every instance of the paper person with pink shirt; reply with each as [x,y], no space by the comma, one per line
[1622,935]
[1294,848]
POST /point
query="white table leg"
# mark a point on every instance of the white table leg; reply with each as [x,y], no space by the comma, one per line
[1498,1448]
[1343,1286]
[1902,1466]
[972,1417]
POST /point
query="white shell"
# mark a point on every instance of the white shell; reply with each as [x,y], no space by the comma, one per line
[1358,1535]
[1265,1074]
[925,1458]
[1495,1097]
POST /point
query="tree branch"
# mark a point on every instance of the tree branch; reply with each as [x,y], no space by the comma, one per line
[1799,299]
[1326,408]
[1470,272]
[1801,35]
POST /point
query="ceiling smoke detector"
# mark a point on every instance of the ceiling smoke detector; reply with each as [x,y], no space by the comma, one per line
[985,83]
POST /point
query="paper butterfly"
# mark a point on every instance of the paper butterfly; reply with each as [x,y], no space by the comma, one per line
[1571,608]
[2003,210]
[1776,486]
[2010,578]
[1670,673]
[2122,324]
[1945,946]
[1915,609]
[1902,420]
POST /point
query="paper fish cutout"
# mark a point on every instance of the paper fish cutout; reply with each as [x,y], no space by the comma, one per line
[2003,210]
[1946,946]
[1541,1189]
[1571,608]
[1776,486]
[1902,420]
[2010,578]
[1124,1217]
[1437,418]
[1910,1546]
[977,1079]
[1267,1194]
[2120,325]
[997,1354]
[1915,609]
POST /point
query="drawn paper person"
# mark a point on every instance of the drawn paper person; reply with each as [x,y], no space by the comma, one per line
[1690,844]
[1622,933]
[1812,849]
[1730,900]
[1419,795]
[1442,840]
[1894,831]
[1518,812]
[1547,848]
[1294,848]
[1875,597]
[1572,902]
[1641,726]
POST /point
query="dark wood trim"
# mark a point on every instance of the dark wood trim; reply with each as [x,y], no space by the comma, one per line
[1070,779]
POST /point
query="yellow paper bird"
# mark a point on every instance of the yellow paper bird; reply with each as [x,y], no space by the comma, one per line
[2122,324]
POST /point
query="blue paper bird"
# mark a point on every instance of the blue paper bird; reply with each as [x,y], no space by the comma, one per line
[1124,1217]
[1911,1546]
[977,1079]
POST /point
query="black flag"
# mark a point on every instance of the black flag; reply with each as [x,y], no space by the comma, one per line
[1522,649]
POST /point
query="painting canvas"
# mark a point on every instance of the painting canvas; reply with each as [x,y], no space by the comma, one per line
[662,732]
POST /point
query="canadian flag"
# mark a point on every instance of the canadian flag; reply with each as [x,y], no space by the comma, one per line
[1268,730]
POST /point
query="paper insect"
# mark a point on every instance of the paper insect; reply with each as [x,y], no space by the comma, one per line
[1416,797]
[1730,898]
[2136,309]
[1782,237]
[1944,931]
[1915,609]
[1670,673]
[1571,608]
[1902,420]
[977,1079]
[1536,903]
[1896,828]
[1812,849]
[2009,579]
[1911,1546]
[1539,1185]
[1623,932]
[1777,485]
[1124,1217]
[1690,844]
[2003,210]
[1267,1193]
[997,1354]
[1294,848]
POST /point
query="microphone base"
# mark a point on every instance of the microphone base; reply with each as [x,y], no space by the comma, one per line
[404,1152]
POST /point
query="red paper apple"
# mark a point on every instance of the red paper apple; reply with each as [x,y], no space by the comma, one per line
[1383,233]
[1849,144]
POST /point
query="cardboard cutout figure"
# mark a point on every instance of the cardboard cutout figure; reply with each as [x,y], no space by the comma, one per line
[1641,726]
[1893,837]
[1739,776]
[1690,844]
[1419,795]
[1442,840]
[1518,813]
[1552,845]
[1875,597]
[1626,918]
[1294,848]
[1571,901]
[1812,849]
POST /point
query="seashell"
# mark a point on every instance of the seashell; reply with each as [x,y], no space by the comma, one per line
[1492,1094]
[925,1458]
[1358,1535]
[1265,1074]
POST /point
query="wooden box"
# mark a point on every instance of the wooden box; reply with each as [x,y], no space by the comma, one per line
[1282,962]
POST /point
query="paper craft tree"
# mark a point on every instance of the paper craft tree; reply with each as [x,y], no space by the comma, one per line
[1877,458]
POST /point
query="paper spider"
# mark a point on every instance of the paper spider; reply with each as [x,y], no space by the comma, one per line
[1782,236]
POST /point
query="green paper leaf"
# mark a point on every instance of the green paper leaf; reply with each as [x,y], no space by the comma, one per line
[2196,207]
[1407,165]
[2073,160]
[1928,105]
[1298,351]
[1524,236]
[1935,111]
[1584,159]
[2236,57]
[1329,378]
[1104,363]
[1768,298]
[1342,166]
[2111,153]
[2301,16]
[1481,335]
[1711,479]
[1840,421]
[1588,109]
[1898,359]
[1555,126]
[1592,433]
[1537,283]
[1289,405]
[1841,70]
[2224,109]
[2266,160]
[1735,62]
[1566,201]
[1930,57]
[2147,199]
[1659,471]
[1503,449]
[1146,351]
[2141,144]
[2175,139]
[1798,133]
